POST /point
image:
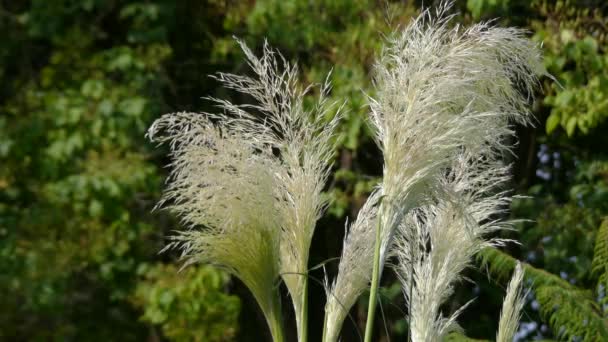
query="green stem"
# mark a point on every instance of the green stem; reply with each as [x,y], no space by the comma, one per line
[304,312]
[371,306]
[274,319]
[409,319]
[276,329]
[324,339]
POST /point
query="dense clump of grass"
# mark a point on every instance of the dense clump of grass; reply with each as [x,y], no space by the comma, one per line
[445,100]
[248,183]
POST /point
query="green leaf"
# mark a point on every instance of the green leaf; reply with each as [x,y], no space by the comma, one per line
[121,62]
[133,107]
[475,7]
[92,88]
[571,125]
[95,208]
[552,122]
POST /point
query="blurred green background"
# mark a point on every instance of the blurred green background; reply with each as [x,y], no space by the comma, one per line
[81,80]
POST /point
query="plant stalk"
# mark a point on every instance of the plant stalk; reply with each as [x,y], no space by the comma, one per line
[371,306]
[304,312]
[409,319]
[324,339]
[276,329]
[274,318]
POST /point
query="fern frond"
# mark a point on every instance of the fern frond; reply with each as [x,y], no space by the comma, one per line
[572,313]
[599,266]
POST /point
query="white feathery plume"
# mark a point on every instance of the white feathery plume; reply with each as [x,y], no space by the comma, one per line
[444,96]
[307,154]
[494,72]
[218,187]
[303,140]
[427,276]
[438,241]
[512,307]
[292,148]
[354,270]
[440,89]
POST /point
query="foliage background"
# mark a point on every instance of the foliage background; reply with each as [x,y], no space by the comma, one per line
[82,80]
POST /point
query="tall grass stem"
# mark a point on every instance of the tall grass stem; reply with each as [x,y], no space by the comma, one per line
[373,294]
[304,312]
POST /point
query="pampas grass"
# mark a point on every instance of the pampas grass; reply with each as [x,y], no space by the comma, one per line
[247,183]
[354,270]
[303,139]
[512,307]
[438,241]
[441,90]
[218,186]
